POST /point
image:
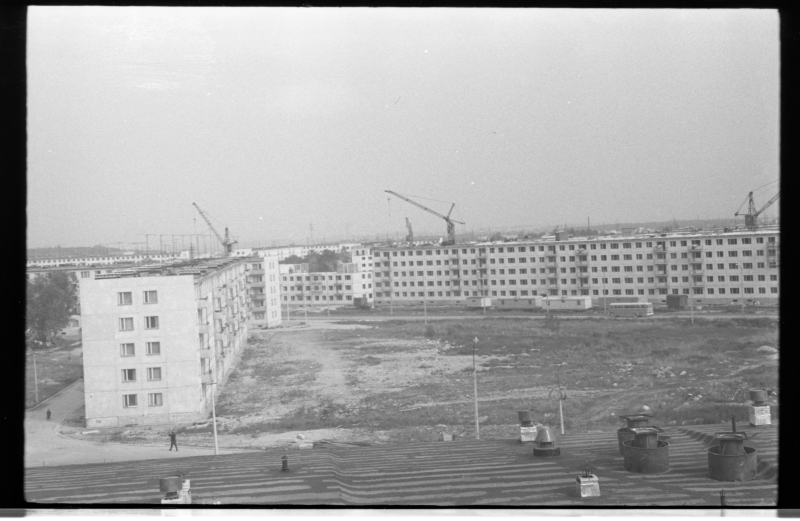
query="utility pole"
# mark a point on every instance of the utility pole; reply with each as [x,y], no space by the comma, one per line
[214,418]
[35,378]
[475,385]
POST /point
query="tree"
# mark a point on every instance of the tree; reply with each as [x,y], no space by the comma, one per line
[319,262]
[50,300]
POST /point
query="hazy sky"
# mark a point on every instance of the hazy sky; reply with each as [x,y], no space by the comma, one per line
[274,118]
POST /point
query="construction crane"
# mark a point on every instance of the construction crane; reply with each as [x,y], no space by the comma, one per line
[410,236]
[451,227]
[227,243]
[751,215]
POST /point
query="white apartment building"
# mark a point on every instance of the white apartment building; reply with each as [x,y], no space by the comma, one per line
[263,282]
[154,340]
[346,285]
[729,267]
[108,260]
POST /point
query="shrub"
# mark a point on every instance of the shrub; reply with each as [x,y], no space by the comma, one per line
[430,331]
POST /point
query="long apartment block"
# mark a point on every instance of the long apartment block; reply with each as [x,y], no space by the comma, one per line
[155,339]
[713,267]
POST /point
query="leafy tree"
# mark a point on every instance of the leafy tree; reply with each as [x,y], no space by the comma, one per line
[50,302]
[317,262]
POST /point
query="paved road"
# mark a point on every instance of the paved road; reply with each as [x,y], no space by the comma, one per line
[470,316]
[45,447]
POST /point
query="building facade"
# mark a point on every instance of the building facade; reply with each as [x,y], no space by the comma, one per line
[263,282]
[732,267]
[154,340]
[346,285]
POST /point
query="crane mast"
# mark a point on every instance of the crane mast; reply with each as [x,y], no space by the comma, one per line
[750,218]
[410,236]
[451,227]
[226,242]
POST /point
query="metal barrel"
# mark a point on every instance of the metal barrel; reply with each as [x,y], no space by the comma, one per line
[643,460]
[742,467]
[525,417]
[624,434]
[731,447]
[758,395]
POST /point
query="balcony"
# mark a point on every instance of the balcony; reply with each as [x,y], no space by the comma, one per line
[202,328]
[696,247]
[206,378]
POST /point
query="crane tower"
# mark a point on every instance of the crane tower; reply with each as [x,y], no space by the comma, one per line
[227,242]
[451,227]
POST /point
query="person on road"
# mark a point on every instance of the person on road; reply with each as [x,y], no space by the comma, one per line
[48,414]
[172,441]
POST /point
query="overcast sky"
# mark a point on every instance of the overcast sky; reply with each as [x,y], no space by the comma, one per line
[274,118]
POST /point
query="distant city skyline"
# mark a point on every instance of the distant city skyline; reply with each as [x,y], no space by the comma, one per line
[272,119]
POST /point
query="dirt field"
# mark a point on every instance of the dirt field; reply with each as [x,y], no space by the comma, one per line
[397,381]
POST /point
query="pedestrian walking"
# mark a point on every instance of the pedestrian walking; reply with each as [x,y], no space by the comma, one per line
[172,441]
[48,414]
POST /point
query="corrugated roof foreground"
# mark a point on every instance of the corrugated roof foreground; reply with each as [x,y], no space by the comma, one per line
[463,473]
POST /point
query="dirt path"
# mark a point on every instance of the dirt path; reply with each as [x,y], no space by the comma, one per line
[308,348]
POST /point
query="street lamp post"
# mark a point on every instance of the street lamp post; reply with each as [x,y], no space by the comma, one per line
[475,385]
[214,417]
[35,379]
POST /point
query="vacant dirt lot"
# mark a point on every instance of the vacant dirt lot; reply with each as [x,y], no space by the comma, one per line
[396,381]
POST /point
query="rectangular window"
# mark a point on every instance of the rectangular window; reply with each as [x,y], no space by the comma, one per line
[125,298]
[129,400]
[155,399]
[151,297]
[126,324]
[154,373]
[151,322]
[129,375]
[127,350]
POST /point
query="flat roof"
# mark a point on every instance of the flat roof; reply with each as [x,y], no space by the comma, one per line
[197,268]
[636,237]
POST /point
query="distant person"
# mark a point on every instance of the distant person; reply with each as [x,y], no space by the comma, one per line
[172,441]
[48,414]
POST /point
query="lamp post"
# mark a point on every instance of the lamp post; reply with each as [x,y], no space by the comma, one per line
[475,385]
[214,416]
[35,379]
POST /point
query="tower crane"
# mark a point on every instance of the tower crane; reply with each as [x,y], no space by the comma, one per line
[451,227]
[751,215]
[227,243]
[410,236]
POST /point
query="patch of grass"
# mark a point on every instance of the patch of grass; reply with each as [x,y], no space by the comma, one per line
[369,360]
[430,331]
[55,370]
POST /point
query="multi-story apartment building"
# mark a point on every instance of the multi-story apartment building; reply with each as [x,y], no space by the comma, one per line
[153,339]
[362,257]
[109,260]
[713,267]
[347,285]
[264,286]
